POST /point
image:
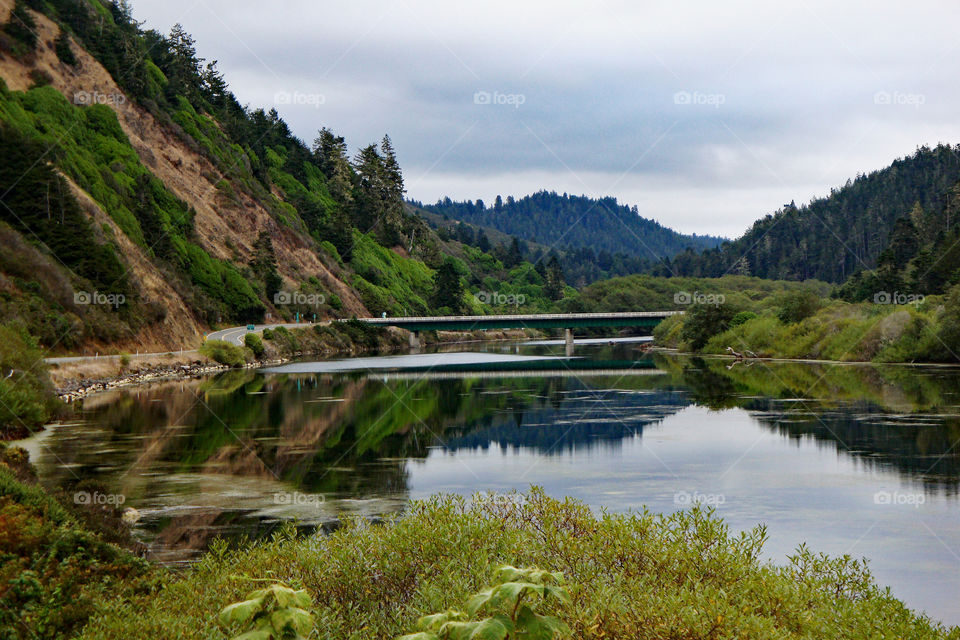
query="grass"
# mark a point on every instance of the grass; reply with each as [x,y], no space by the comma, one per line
[223,352]
[636,575]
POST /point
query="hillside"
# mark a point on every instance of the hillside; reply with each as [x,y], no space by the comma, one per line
[834,237]
[564,221]
[142,205]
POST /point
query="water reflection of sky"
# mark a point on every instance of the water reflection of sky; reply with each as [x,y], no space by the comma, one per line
[803,492]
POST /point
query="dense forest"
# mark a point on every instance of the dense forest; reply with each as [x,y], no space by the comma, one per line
[833,238]
[556,220]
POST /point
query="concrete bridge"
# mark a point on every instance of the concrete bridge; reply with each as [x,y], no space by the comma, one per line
[566,321]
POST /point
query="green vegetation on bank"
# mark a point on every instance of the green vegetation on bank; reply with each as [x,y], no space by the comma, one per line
[27,398]
[637,575]
[798,324]
[55,573]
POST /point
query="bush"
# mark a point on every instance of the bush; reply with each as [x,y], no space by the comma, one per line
[740,318]
[796,306]
[27,397]
[703,321]
[223,352]
[253,342]
[636,575]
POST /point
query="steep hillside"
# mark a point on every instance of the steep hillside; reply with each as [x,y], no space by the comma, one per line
[198,226]
[563,221]
[834,237]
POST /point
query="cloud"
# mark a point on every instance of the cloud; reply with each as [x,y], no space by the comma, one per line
[706,115]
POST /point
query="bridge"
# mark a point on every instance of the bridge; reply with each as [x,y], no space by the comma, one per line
[566,321]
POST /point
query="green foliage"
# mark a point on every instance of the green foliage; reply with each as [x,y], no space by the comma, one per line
[795,306]
[223,352]
[27,397]
[275,613]
[55,574]
[831,238]
[514,618]
[22,27]
[447,289]
[741,317]
[703,321]
[253,342]
[388,281]
[637,575]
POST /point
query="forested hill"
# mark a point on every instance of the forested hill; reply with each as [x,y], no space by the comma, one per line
[565,221]
[834,237]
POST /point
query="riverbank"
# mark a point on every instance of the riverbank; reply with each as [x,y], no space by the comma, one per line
[77,379]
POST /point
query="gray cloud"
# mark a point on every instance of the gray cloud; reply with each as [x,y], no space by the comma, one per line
[705,115]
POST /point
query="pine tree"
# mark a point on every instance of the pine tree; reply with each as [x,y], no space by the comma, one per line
[447,288]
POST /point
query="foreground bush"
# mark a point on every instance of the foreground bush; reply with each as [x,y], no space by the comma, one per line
[636,576]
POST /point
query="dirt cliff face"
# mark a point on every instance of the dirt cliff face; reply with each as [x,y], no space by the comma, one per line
[226,228]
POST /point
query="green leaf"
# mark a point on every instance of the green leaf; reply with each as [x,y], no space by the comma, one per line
[508,573]
[477,601]
[437,620]
[537,627]
[240,612]
[422,635]
[302,599]
[489,629]
[285,595]
[291,618]
[559,593]
[511,592]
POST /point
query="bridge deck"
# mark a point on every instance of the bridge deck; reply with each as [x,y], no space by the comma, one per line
[533,321]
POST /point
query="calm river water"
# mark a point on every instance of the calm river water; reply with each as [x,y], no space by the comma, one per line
[857,460]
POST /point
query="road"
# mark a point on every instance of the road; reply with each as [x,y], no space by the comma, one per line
[233,335]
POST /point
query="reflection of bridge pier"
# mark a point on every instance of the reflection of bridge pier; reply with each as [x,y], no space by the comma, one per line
[568,341]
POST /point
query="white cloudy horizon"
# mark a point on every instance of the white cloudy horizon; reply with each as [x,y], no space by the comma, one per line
[706,117]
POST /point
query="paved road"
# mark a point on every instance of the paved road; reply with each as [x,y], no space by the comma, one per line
[233,335]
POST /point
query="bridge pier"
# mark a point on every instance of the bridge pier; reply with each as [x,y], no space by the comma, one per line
[568,341]
[415,340]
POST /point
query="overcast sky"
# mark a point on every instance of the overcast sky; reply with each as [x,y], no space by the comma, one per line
[706,115]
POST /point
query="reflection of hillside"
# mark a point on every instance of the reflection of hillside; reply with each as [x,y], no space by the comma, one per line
[584,419]
[921,448]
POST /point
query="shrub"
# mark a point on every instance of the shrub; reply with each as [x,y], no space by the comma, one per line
[223,352]
[637,575]
[253,342]
[64,52]
[703,321]
[27,397]
[740,318]
[795,306]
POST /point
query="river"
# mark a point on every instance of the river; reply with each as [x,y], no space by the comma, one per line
[850,459]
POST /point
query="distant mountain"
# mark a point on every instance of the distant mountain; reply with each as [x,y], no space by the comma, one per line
[565,222]
[834,237]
